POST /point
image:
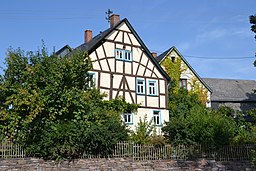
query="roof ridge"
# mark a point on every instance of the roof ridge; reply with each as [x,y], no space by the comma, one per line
[228,79]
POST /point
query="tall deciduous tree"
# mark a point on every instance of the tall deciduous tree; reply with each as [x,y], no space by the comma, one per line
[48,106]
[252,19]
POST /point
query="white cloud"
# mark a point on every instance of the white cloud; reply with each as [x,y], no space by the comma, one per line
[211,35]
[184,46]
[242,32]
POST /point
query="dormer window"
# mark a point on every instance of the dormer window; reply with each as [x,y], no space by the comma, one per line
[125,55]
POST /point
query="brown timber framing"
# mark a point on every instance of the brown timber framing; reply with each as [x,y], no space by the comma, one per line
[123,38]
[98,59]
[133,70]
[129,90]
[166,95]
[139,63]
[125,44]
[105,56]
[153,71]
[124,78]
[130,75]
[128,34]
[132,91]
[146,67]
[114,57]
[111,86]
[158,89]
[119,88]
[118,31]
[131,32]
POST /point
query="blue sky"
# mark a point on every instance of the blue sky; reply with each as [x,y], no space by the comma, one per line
[206,32]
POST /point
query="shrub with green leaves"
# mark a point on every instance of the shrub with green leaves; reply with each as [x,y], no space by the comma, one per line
[49,108]
[191,123]
[143,131]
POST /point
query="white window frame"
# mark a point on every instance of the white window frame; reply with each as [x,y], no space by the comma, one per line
[157,119]
[152,89]
[94,79]
[128,118]
[124,55]
[140,87]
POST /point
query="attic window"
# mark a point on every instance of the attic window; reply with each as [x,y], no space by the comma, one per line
[125,55]
[173,59]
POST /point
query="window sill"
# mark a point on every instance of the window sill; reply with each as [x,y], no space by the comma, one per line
[128,123]
[153,95]
[118,59]
[159,125]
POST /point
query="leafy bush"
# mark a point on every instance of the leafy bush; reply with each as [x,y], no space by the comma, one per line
[191,123]
[48,106]
[144,129]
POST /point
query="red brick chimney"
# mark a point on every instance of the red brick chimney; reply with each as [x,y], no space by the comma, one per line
[87,36]
[114,19]
[154,54]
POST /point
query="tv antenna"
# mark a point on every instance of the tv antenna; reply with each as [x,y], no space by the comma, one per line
[109,12]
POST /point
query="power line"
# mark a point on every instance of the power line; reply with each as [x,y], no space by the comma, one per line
[213,57]
[220,57]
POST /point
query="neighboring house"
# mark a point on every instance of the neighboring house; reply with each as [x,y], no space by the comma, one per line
[123,66]
[185,76]
[64,51]
[237,94]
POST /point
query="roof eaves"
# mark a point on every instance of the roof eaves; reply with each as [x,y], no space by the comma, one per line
[147,51]
[63,48]
[162,56]
[95,43]
[102,36]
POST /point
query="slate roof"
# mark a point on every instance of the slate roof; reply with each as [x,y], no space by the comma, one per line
[231,90]
[99,39]
[162,56]
[63,49]
[91,45]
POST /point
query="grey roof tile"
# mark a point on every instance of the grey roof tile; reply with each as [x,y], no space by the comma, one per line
[231,90]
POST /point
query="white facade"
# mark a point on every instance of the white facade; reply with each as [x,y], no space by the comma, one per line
[123,67]
[188,74]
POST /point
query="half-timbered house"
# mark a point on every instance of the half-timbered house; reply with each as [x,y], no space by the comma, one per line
[123,66]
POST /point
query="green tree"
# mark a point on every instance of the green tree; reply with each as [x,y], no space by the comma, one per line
[252,20]
[48,107]
[192,123]
[143,131]
[182,102]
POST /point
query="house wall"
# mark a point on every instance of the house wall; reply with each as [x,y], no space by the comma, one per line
[240,106]
[188,74]
[117,77]
[149,113]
